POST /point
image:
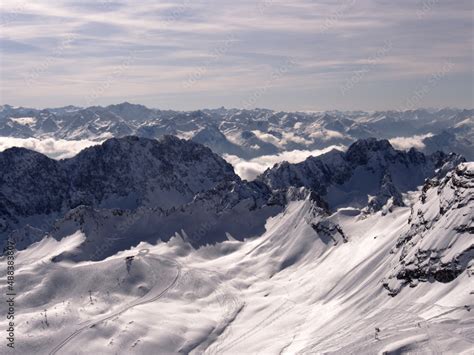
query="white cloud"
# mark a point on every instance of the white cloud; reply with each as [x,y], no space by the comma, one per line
[326,134]
[267,137]
[54,148]
[250,169]
[287,138]
[406,143]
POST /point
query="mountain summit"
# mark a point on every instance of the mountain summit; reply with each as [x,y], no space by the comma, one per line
[369,174]
[123,172]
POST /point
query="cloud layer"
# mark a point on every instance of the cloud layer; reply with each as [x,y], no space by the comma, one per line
[250,169]
[54,148]
[406,143]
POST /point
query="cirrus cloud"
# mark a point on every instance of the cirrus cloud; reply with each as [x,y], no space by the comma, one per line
[172,41]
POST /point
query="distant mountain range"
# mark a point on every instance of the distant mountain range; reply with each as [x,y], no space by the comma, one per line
[246,133]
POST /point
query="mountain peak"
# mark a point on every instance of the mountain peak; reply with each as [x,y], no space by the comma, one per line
[127,104]
[360,151]
[371,173]
[127,173]
[370,144]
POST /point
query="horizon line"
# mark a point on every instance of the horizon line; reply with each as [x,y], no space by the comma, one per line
[437,109]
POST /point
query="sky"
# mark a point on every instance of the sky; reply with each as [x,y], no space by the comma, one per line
[286,55]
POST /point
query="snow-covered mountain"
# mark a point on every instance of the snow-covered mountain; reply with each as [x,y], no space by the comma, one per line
[369,174]
[245,133]
[143,246]
[311,282]
[438,244]
[174,180]
[124,172]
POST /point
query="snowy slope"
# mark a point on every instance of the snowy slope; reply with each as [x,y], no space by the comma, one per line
[291,290]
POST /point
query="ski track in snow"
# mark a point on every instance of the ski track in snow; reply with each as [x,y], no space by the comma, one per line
[226,319]
[140,301]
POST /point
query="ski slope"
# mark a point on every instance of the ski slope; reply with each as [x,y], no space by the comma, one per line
[288,291]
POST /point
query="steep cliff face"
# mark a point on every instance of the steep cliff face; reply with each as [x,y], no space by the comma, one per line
[439,244]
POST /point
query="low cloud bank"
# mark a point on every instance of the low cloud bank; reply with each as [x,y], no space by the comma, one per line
[250,169]
[406,143]
[53,148]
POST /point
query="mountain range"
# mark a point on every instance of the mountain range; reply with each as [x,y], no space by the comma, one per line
[172,183]
[246,133]
[151,242]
